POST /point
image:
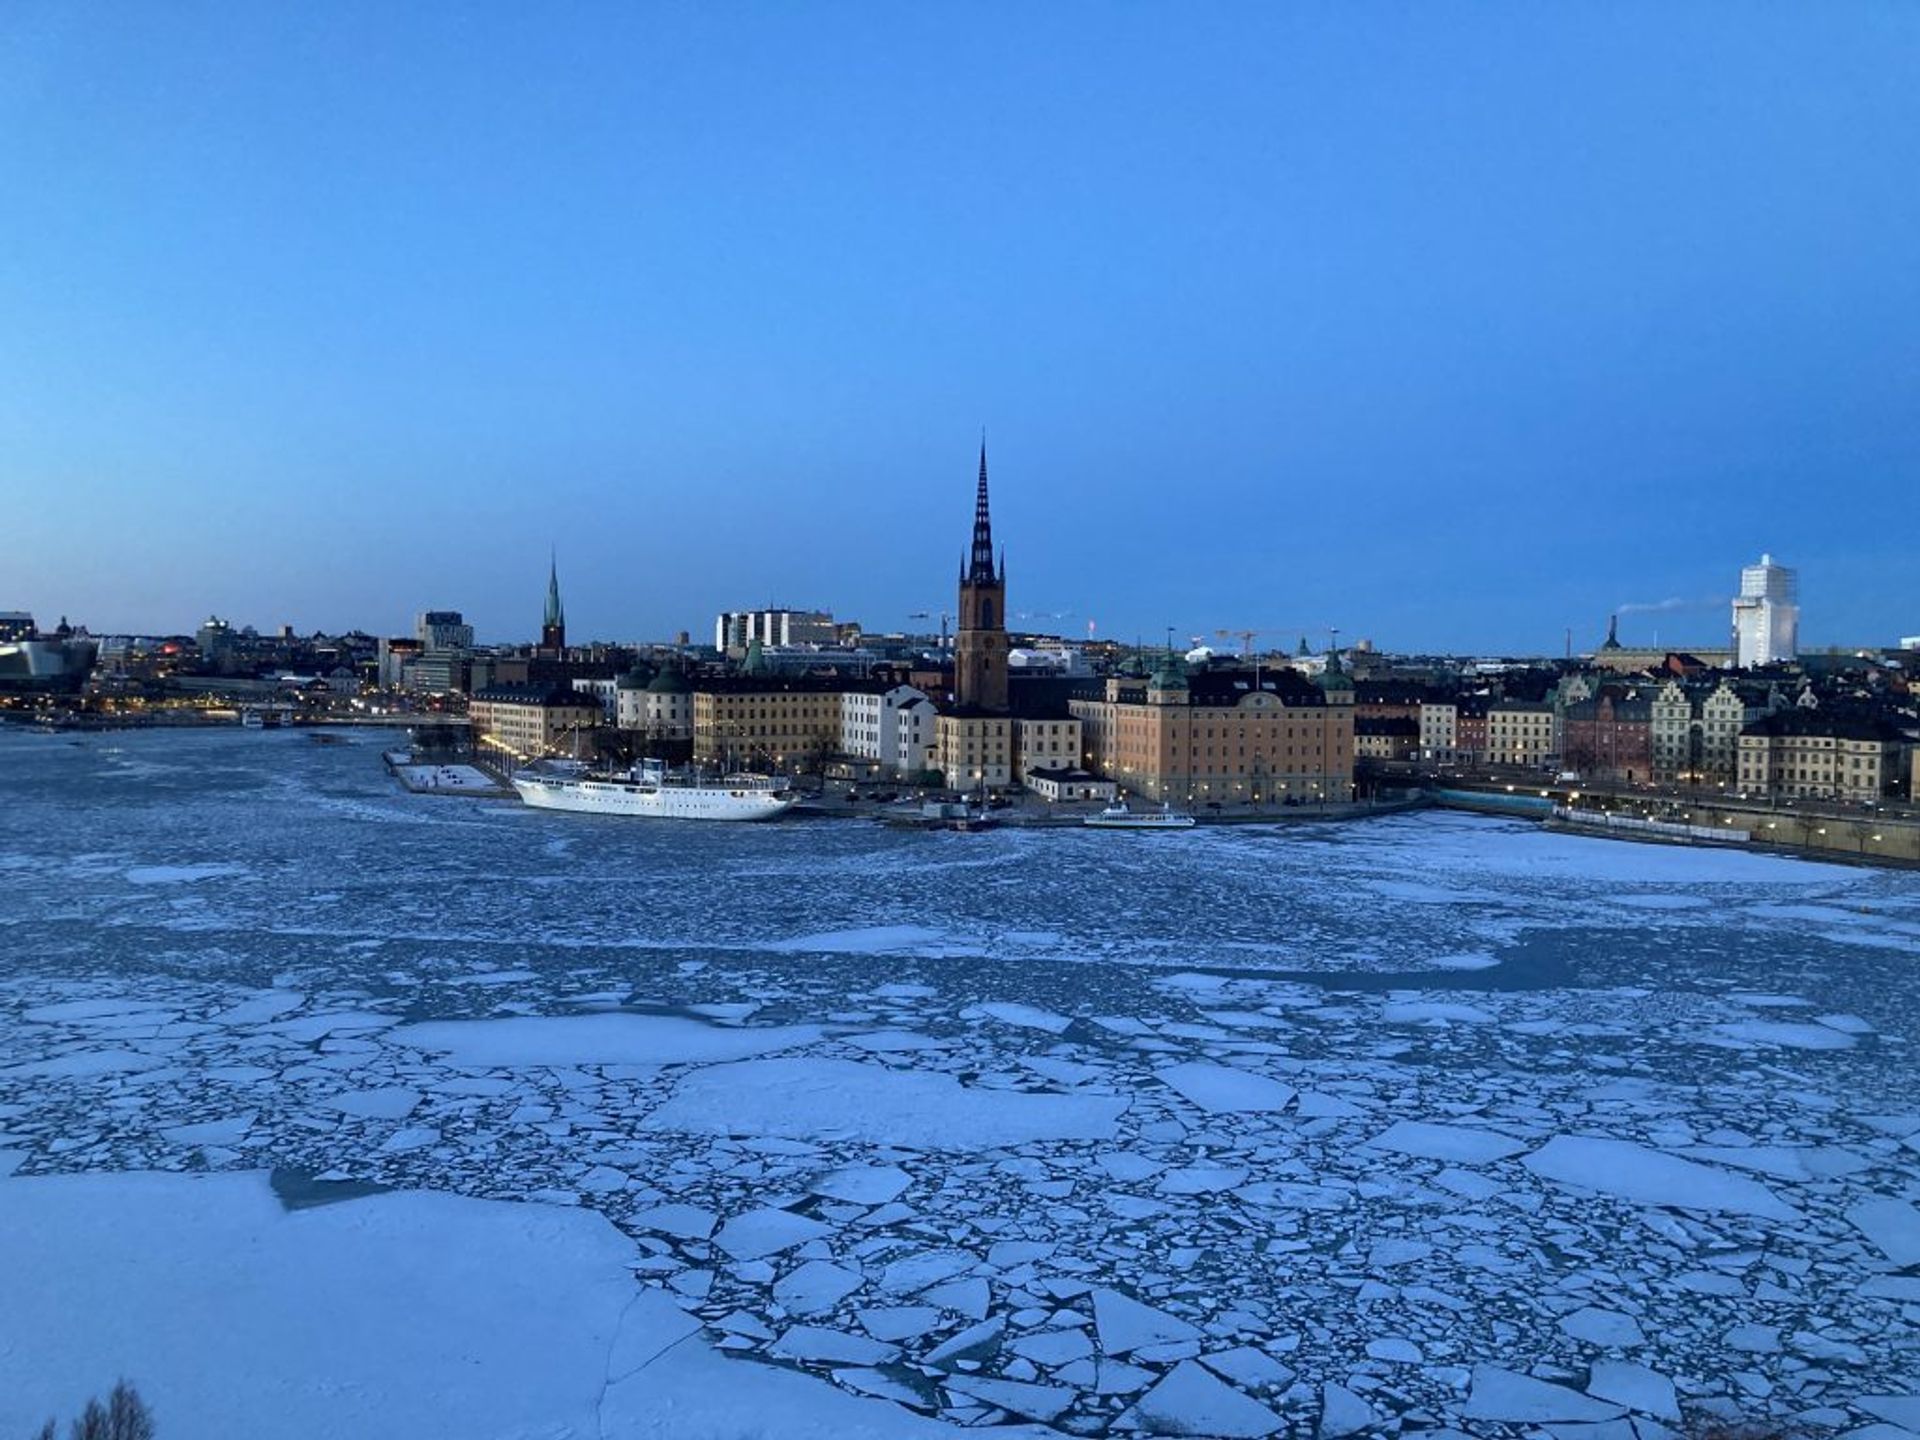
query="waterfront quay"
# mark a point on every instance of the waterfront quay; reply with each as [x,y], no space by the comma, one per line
[1887,833]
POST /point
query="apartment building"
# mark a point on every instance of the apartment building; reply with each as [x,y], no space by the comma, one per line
[1224,735]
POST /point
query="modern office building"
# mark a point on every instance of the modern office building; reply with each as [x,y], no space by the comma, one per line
[735,630]
[442,630]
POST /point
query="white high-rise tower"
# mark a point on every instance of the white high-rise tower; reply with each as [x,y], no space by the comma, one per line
[1766,614]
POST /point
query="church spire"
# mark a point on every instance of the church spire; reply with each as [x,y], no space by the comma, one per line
[556,614]
[981,570]
[553,626]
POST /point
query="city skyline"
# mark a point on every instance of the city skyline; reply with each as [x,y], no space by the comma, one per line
[1453,329]
[1643,619]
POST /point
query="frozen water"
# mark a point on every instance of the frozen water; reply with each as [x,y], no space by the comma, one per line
[863,1184]
[1501,1394]
[596,1040]
[816,1285]
[1035,1402]
[817,1342]
[1125,1324]
[1441,1012]
[846,1099]
[1031,1016]
[1633,1172]
[1342,1412]
[1224,1088]
[689,1222]
[1190,1401]
[1780,1032]
[1335,1155]
[1893,1226]
[766,1231]
[1603,1327]
[180,874]
[1634,1386]
[342,1321]
[1901,1410]
[899,1322]
[1462,1144]
[393,1103]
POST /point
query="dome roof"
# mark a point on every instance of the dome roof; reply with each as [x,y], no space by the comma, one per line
[1334,677]
[634,679]
[1171,675]
[669,682]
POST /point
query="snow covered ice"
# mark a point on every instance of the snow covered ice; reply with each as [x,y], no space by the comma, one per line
[1430,1124]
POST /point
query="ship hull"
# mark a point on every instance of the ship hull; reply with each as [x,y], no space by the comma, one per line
[646,801]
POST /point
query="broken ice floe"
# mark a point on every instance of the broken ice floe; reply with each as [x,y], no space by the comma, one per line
[1336,1166]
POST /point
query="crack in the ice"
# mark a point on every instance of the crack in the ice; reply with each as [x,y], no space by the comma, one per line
[609,1379]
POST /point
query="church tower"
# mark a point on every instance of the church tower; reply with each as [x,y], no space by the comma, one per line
[980,648]
[553,629]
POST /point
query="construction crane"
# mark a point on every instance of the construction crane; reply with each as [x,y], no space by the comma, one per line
[1245,637]
[1246,649]
[946,618]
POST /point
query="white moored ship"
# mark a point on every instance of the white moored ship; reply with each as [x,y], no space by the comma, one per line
[1119,817]
[649,792]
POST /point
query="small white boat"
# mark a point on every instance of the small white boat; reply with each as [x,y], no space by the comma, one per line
[649,792]
[1118,816]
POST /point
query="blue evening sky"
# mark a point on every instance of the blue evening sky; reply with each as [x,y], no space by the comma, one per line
[1450,325]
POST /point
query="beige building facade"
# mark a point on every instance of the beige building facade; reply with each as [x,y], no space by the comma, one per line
[782,725]
[1802,755]
[1225,737]
[1439,730]
[1053,743]
[974,750]
[1525,733]
[531,724]
[1696,732]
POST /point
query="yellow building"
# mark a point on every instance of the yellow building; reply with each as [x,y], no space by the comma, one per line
[782,724]
[1050,743]
[1226,736]
[1809,755]
[1390,737]
[973,749]
[1522,732]
[528,722]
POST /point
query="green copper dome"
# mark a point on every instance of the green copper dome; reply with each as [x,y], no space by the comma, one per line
[669,682]
[1171,675]
[634,679]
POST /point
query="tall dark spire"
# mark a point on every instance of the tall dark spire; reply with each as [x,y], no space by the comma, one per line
[556,615]
[553,627]
[981,570]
